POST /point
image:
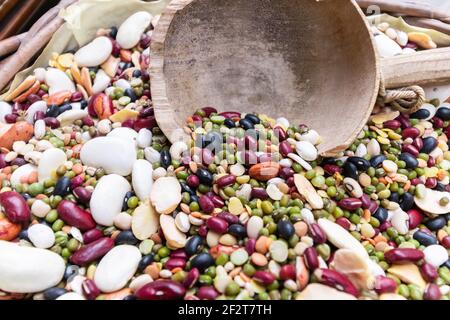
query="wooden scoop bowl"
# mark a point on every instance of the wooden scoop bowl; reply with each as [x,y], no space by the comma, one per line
[312,62]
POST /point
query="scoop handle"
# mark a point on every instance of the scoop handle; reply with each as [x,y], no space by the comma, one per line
[420,68]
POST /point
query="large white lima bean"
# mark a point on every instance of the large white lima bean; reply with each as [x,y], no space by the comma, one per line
[131,30]
[28,270]
[107,198]
[94,53]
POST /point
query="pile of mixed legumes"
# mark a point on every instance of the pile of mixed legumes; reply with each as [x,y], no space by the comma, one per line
[96,204]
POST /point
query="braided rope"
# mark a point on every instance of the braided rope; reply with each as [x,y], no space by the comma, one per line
[406,100]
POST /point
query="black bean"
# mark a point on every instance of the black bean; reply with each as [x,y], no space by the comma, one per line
[436,223]
[328,161]
[381,214]
[447,217]
[64,108]
[350,170]
[394,197]
[113,32]
[193,245]
[166,159]
[62,187]
[52,111]
[443,113]
[253,118]
[128,195]
[24,235]
[410,160]
[429,144]
[194,198]
[360,163]
[229,123]
[137,73]
[202,261]
[285,229]
[126,237]
[446,264]
[213,140]
[237,230]
[420,114]
[186,188]
[440,187]
[54,293]
[145,262]
[424,238]
[205,176]
[71,270]
[407,201]
[376,161]
[84,104]
[129,298]
[246,124]
[130,93]
[26,196]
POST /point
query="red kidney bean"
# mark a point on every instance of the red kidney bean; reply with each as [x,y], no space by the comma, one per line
[147,123]
[203,230]
[287,272]
[317,233]
[392,124]
[76,182]
[366,201]
[33,98]
[70,213]
[411,132]
[259,193]
[207,293]
[431,183]
[416,181]
[193,181]
[226,181]
[161,290]
[209,110]
[39,115]
[403,119]
[264,277]
[11,118]
[373,207]
[285,148]
[191,278]
[403,255]
[52,122]
[230,114]
[250,246]
[286,173]
[311,258]
[432,292]
[385,285]
[446,242]
[418,143]
[90,289]
[429,272]
[350,204]
[3,162]
[415,218]
[83,195]
[76,96]
[331,169]
[409,148]
[92,235]
[15,206]
[384,226]
[206,204]
[336,280]
[228,217]
[280,133]
[290,182]
[344,223]
[180,253]
[217,224]
[173,263]
[438,123]
[431,162]
[147,112]
[92,251]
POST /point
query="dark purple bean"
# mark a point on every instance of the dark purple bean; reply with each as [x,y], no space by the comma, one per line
[350,204]
[191,278]
[76,182]
[250,246]
[92,235]
[92,252]
[311,258]
[147,112]
[226,181]
[173,263]
[15,207]
[228,217]
[385,285]
[429,272]
[52,122]
[264,277]
[432,292]
[286,173]
[207,293]
[206,204]
[19,162]
[285,148]
[259,193]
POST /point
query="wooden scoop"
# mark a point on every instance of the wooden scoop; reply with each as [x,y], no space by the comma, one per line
[313,62]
